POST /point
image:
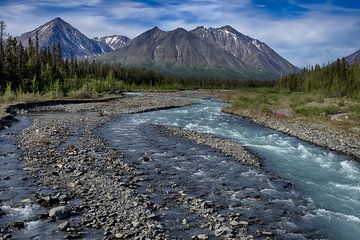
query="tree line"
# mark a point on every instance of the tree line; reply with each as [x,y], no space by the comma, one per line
[338,79]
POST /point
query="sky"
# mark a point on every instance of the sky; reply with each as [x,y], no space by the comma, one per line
[304,32]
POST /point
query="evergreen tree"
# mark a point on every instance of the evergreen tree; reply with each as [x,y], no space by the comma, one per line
[2,32]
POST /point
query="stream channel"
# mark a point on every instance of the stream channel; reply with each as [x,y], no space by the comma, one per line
[302,191]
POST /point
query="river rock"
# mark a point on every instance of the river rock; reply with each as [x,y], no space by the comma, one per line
[119,236]
[60,212]
[6,236]
[222,231]
[264,234]
[63,226]
[2,213]
[16,225]
[48,201]
[201,237]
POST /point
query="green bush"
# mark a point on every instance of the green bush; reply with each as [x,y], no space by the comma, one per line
[9,95]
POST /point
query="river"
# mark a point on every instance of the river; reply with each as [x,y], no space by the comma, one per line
[316,196]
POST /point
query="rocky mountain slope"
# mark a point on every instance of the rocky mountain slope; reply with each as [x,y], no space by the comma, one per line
[353,58]
[73,43]
[219,53]
[251,51]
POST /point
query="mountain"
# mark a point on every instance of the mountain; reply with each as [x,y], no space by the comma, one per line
[73,43]
[353,58]
[219,53]
[251,51]
[177,52]
[114,41]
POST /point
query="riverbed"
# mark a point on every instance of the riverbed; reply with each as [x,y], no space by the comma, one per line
[115,159]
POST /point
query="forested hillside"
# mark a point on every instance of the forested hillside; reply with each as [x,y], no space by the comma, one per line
[335,80]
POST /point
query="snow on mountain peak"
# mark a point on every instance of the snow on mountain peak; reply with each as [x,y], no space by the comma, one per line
[113,41]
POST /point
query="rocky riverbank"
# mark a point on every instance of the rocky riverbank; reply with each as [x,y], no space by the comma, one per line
[318,134]
[61,151]
[227,147]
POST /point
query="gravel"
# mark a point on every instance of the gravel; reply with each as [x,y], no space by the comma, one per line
[227,147]
[61,150]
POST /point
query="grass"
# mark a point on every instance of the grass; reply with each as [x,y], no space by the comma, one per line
[296,107]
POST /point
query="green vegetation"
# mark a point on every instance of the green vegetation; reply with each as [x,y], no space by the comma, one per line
[339,79]
[296,107]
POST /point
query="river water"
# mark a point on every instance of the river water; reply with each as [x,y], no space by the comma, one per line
[316,196]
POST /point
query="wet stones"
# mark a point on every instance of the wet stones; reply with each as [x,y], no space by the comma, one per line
[90,170]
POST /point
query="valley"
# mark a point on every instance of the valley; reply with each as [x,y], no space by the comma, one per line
[158,120]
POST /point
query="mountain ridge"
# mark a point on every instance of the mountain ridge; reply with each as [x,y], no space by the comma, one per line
[74,44]
[168,50]
[176,49]
[250,50]
[212,52]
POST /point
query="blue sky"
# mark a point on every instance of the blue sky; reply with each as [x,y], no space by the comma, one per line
[304,32]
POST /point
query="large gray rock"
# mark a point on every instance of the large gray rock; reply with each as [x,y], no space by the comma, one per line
[60,212]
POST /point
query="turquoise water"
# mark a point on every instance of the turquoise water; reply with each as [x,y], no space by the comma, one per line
[330,180]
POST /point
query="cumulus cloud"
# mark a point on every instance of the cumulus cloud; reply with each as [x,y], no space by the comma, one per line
[307,34]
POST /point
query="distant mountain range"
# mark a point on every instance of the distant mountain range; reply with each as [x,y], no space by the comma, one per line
[208,52]
[211,52]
